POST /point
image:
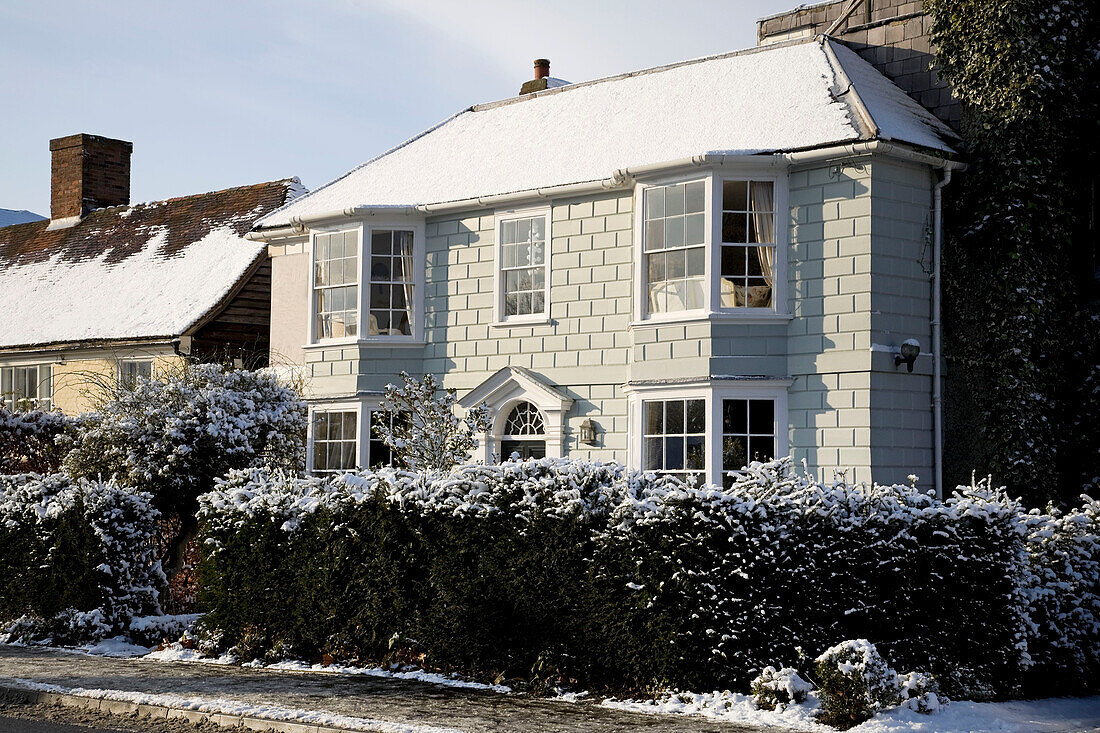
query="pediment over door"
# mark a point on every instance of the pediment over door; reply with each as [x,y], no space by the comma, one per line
[509,387]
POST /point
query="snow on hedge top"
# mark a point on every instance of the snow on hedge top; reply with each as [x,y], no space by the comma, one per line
[776,98]
[144,271]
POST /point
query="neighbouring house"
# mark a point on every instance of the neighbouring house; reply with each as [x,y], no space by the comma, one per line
[106,291]
[683,269]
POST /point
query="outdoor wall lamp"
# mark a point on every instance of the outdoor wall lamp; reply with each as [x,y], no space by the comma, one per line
[908,353]
[588,432]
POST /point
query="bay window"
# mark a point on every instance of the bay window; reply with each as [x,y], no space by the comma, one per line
[703,432]
[366,282]
[711,247]
[27,387]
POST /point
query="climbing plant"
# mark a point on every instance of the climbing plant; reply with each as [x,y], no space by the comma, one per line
[1021,317]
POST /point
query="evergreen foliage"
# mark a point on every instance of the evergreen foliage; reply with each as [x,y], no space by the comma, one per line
[569,572]
[77,557]
[1022,332]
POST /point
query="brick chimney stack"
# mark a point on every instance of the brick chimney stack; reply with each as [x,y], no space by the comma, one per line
[88,172]
[540,82]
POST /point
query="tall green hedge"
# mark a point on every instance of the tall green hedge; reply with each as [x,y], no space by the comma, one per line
[555,571]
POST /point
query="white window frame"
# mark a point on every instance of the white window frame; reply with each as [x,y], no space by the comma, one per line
[134,360]
[416,307]
[357,408]
[5,398]
[499,319]
[779,310]
[712,392]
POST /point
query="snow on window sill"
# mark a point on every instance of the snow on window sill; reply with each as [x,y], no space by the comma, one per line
[747,317]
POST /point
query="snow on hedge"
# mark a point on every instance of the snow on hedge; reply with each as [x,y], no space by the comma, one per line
[973,588]
[77,557]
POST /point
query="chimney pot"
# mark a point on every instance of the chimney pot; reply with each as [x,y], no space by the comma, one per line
[542,68]
[88,172]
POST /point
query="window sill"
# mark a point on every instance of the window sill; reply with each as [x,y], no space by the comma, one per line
[519,322]
[388,342]
[770,317]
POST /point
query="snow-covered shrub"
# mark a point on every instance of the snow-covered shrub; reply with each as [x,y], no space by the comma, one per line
[919,692]
[174,435]
[778,687]
[1064,598]
[428,435]
[156,629]
[28,440]
[77,554]
[626,579]
[854,683]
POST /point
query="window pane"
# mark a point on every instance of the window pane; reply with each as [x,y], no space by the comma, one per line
[380,242]
[538,231]
[734,227]
[674,453]
[733,416]
[761,416]
[674,200]
[762,227]
[674,232]
[538,302]
[695,229]
[735,195]
[654,458]
[655,203]
[674,416]
[693,293]
[733,453]
[655,235]
[761,448]
[696,197]
[696,450]
[733,261]
[696,416]
[656,267]
[348,428]
[523,230]
[696,262]
[677,264]
[511,302]
[508,232]
[654,418]
[508,255]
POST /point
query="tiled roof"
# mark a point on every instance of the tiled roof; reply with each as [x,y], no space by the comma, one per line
[130,272]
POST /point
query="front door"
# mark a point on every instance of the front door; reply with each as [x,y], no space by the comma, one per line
[525,448]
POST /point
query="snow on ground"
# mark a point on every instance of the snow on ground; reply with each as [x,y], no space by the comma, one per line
[236,707]
[176,653]
[1022,716]
[116,646]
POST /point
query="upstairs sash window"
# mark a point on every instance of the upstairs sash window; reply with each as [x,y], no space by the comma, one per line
[336,285]
[748,244]
[674,247]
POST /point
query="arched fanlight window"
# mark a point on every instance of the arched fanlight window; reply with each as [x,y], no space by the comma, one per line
[523,433]
[525,419]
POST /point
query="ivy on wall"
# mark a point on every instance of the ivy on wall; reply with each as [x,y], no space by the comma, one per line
[1022,335]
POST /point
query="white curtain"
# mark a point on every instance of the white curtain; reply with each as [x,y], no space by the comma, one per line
[407,274]
[762,197]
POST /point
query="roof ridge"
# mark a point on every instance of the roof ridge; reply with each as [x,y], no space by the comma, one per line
[287,181]
[641,72]
[865,123]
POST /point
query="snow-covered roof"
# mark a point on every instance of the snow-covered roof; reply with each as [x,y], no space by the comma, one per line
[17,216]
[130,272]
[784,97]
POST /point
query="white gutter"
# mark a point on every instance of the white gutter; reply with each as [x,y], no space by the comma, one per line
[620,178]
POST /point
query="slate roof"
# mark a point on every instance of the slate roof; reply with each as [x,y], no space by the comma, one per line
[136,272]
[785,97]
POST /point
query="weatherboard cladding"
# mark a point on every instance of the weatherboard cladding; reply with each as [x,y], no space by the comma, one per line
[785,97]
[146,271]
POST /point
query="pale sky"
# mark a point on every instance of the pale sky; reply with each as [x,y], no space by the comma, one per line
[232,92]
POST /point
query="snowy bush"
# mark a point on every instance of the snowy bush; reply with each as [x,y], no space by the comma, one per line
[77,555]
[428,436]
[28,440]
[919,692]
[174,435]
[854,683]
[603,576]
[778,687]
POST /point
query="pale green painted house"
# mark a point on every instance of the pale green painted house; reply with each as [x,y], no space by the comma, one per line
[707,263]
